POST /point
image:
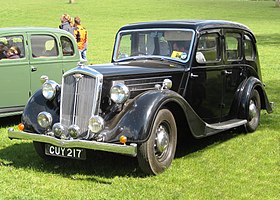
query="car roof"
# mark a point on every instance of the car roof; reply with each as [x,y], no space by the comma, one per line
[32,29]
[197,25]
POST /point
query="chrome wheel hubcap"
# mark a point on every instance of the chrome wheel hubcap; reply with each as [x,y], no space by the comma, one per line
[161,141]
[253,113]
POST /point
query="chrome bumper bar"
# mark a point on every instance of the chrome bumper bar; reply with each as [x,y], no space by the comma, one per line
[130,150]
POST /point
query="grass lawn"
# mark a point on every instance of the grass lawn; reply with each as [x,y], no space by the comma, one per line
[230,165]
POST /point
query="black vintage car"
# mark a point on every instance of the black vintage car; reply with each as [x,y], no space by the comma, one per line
[166,79]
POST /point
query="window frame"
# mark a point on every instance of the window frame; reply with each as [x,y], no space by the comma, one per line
[22,50]
[56,45]
[239,46]
[218,47]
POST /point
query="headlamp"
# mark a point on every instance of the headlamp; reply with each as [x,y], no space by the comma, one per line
[44,119]
[96,124]
[119,93]
[49,89]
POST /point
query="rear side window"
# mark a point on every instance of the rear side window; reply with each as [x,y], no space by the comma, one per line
[233,46]
[249,48]
[12,47]
[208,50]
[43,46]
[67,46]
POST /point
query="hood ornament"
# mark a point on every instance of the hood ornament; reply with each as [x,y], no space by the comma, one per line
[78,77]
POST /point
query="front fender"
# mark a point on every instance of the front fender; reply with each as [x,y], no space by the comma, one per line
[137,117]
[36,104]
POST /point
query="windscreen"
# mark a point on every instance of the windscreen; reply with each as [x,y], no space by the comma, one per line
[174,44]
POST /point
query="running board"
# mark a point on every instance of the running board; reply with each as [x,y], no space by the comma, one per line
[218,127]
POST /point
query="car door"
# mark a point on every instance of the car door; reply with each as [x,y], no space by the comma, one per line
[15,73]
[205,85]
[234,70]
[45,58]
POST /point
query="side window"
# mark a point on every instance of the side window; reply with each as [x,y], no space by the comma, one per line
[249,48]
[12,47]
[233,46]
[43,46]
[208,50]
[125,47]
[67,46]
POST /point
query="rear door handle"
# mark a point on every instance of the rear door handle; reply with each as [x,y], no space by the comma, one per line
[33,69]
[194,75]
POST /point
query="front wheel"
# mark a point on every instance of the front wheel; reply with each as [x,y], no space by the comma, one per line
[253,117]
[40,149]
[157,153]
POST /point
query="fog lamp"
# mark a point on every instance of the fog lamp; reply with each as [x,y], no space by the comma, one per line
[58,130]
[49,89]
[44,119]
[74,131]
[96,124]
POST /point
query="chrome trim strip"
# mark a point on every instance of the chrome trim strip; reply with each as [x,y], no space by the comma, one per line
[141,84]
[130,150]
[148,78]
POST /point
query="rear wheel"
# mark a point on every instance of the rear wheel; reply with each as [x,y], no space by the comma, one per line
[253,117]
[157,153]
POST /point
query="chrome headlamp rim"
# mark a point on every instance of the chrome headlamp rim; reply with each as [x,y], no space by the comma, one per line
[59,130]
[49,89]
[119,93]
[74,131]
[44,119]
[96,124]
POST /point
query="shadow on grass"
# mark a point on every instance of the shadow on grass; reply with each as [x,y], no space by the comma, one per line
[97,166]
[100,165]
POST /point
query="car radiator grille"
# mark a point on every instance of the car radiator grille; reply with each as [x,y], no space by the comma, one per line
[142,84]
[77,104]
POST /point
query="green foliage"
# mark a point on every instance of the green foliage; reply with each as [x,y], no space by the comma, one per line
[230,165]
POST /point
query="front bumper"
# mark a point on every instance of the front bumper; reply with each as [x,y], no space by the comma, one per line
[130,150]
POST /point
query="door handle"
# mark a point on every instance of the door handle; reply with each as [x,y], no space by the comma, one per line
[227,73]
[194,75]
[33,69]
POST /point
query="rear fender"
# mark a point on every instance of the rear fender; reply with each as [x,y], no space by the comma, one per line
[245,91]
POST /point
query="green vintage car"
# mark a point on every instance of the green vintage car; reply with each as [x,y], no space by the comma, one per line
[27,53]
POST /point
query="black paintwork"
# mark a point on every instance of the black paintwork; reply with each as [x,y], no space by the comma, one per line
[201,94]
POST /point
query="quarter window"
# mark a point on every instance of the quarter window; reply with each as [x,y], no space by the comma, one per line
[249,48]
[67,46]
[233,46]
[207,50]
[43,46]
[12,47]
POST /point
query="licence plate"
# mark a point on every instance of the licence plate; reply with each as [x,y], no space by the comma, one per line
[75,153]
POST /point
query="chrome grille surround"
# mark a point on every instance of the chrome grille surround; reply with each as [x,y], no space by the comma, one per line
[80,98]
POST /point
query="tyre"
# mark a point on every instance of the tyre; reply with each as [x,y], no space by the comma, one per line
[40,149]
[157,153]
[253,116]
